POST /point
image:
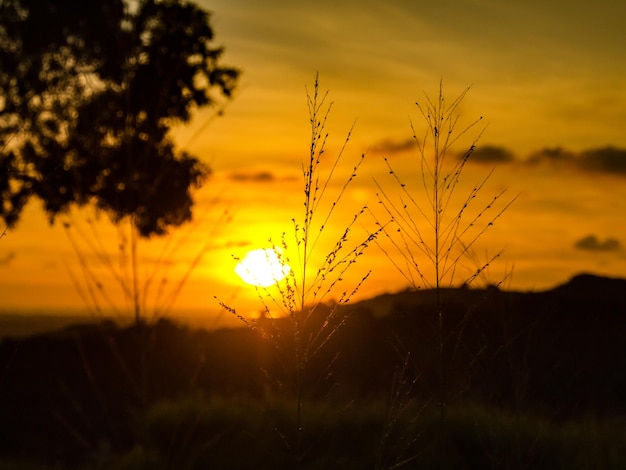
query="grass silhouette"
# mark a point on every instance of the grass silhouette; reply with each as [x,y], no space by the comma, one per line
[311,296]
[430,229]
[112,279]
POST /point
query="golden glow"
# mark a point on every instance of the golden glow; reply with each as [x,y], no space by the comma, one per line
[262,267]
[256,155]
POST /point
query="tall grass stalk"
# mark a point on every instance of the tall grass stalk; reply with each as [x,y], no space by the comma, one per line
[139,289]
[146,288]
[312,294]
[432,230]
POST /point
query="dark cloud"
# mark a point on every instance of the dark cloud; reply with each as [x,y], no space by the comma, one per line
[7,259]
[258,177]
[592,243]
[602,160]
[551,155]
[607,159]
[481,154]
[261,176]
[389,146]
[490,154]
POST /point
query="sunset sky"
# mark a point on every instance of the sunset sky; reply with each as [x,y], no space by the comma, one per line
[545,75]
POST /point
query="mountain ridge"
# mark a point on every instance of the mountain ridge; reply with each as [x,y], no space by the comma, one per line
[558,353]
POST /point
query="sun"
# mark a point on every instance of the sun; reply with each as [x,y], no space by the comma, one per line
[262,267]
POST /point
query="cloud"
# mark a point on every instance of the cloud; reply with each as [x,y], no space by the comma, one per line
[260,176]
[552,155]
[390,146]
[490,154]
[592,243]
[600,160]
[256,177]
[611,160]
[606,159]
[481,154]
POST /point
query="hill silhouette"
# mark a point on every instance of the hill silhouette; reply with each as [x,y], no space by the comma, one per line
[559,353]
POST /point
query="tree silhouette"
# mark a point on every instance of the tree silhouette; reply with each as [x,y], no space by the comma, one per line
[88,94]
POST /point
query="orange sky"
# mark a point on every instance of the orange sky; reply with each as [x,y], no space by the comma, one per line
[543,75]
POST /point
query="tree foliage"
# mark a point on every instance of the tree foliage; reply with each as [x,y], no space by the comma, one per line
[89,92]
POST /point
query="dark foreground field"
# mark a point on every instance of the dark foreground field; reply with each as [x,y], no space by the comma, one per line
[532,380]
